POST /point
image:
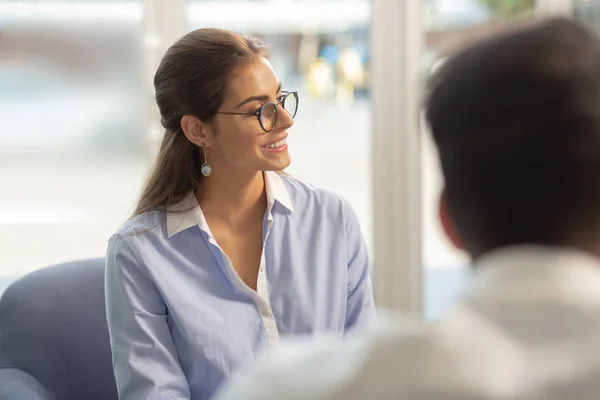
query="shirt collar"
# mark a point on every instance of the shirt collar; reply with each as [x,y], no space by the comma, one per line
[187,213]
[537,273]
[276,190]
[184,215]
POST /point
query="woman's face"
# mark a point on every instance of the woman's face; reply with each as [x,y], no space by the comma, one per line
[238,141]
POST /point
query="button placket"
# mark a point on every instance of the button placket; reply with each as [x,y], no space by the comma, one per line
[265,311]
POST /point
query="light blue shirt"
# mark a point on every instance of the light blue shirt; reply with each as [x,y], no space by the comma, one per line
[180,318]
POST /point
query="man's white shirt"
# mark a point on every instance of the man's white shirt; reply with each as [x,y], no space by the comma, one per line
[527,328]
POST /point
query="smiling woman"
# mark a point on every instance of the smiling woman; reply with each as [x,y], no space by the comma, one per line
[224,254]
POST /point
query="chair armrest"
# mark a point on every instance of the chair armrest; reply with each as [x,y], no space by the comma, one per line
[19,385]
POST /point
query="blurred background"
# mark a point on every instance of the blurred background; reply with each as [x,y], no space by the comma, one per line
[79,128]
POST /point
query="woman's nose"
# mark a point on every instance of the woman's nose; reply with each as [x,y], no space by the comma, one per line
[284,119]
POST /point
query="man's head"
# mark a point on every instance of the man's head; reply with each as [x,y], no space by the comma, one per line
[516,119]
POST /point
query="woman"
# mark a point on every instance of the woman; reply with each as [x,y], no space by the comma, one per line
[224,254]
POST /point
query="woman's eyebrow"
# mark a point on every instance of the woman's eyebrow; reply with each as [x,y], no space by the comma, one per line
[263,97]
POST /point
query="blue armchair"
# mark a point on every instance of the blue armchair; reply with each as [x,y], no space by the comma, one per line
[54,341]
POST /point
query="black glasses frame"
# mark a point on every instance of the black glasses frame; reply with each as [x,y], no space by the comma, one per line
[259,112]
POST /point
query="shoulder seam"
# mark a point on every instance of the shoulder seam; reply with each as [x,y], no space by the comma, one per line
[128,229]
[135,253]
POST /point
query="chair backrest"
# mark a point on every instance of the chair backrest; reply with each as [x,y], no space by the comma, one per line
[53,326]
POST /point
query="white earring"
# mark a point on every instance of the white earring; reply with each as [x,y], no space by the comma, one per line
[205,168]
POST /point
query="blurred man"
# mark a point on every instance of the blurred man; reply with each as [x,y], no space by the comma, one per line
[516,120]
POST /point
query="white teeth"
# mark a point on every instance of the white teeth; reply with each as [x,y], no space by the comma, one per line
[274,145]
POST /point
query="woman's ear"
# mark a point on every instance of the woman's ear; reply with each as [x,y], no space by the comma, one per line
[447,222]
[195,130]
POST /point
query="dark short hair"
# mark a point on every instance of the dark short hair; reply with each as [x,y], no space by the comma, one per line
[516,120]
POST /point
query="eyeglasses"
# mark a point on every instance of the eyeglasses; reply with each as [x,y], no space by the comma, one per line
[267,113]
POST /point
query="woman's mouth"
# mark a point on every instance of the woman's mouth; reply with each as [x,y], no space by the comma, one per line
[277,146]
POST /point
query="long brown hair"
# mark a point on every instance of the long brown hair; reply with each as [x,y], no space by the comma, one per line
[191,80]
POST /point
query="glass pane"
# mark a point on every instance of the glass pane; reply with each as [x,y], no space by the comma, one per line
[588,12]
[323,54]
[73,148]
[451,24]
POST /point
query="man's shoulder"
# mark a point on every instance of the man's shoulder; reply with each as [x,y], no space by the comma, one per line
[395,357]
[321,368]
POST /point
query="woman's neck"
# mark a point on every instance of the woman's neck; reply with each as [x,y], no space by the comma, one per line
[234,198]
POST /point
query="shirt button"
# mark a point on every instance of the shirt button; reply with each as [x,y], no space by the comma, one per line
[265,313]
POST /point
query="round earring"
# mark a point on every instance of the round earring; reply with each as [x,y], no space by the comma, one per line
[205,168]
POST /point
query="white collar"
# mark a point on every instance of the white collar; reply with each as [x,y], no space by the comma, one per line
[529,272]
[187,212]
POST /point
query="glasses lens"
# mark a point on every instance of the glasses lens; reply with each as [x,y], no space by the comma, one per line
[290,104]
[268,116]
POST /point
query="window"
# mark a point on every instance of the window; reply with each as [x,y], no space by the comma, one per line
[73,146]
[80,128]
[324,55]
[587,12]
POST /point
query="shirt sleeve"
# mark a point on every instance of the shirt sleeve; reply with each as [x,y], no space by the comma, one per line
[360,307]
[145,361]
